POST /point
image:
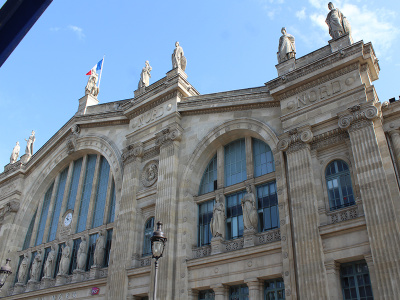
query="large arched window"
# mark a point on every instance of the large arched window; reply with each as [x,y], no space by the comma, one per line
[338,182]
[148,231]
[209,179]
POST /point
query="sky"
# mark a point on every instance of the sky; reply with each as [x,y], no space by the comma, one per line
[229,45]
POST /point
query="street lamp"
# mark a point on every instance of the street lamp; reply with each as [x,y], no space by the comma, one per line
[4,272]
[158,240]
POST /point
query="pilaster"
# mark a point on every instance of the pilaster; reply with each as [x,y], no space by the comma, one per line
[221,291]
[382,223]
[333,277]
[123,235]
[254,289]
[311,274]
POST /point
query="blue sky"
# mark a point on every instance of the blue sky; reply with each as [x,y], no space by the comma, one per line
[228,45]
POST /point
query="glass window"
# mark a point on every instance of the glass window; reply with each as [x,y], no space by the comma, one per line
[111,213]
[91,248]
[239,292]
[74,184]
[59,254]
[338,182]
[235,162]
[205,215]
[274,289]
[267,203]
[43,216]
[28,236]
[86,192]
[148,232]
[209,179]
[356,284]
[262,158]
[108,247]
[101,194]
[74,255]
[234,215]
[206,295]
[57,205]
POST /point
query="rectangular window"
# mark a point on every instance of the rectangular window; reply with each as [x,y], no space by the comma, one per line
[234,215]
[74,184]
[91,248]
[101,194]
[356,284]
[206,295]
[235,162]
[86,193]
[43,216]
[239,292]
[59,254]
[274,289]
[267,203]
[74,254]
[205,215]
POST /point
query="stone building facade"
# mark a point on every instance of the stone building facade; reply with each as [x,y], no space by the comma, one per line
[317,151]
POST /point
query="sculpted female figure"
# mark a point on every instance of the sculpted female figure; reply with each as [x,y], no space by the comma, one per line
[23,269]
[35,269]
[49,264]
[145,76]
[217,224]
[29,143]
[99,250]
[15,153]
[178,59]
[250,218]
[91,86]
[337,22]
[287,47]
[82,254]
[64,263]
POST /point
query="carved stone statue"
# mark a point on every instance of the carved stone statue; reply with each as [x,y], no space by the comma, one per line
[250,218]
[23,269]
[29,143]
[217,224]
[145,76]
[287,47]
[99,250]
[178,59]
[15,153]
[49,264]
[64,263]
[82,255]
[91,86]
[35,269]
[337,22]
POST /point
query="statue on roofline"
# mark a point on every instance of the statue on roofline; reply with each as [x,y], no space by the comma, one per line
[178,59]
[337,22]
[287,46]
[15,153]
[145,76]
[29,144]
[91,87]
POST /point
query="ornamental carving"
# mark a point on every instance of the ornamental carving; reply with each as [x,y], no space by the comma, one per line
[131,152]
[10,207]
[168,135]
[356,114]
[295,139]
[150,173]
[75,129]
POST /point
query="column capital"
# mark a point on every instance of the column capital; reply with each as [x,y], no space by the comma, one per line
[219,289]
[132,152]
[253,283]
[355,117]
[295,139]
[169,134]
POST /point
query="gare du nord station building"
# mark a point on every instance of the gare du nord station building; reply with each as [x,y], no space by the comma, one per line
[285,191]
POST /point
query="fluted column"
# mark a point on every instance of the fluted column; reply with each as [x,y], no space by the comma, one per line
[123,235]
[166,208]
[333,278]
[382,223]
[311,273]
[395,137]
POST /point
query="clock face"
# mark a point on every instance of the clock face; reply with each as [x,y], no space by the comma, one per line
[68,219]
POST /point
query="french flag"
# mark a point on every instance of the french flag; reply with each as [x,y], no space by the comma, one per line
[98,67]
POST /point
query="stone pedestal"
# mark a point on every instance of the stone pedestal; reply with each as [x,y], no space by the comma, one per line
[340,43]
[217,245]
[175,72]
[286,66]
[19,288]
[32,285]
[94,272]
[78,275]
[25,158]
[249,238]
[47,282]
[84,102]
[61,279]
[139,91]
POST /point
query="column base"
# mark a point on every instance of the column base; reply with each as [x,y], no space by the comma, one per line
[249,237]
[61,279]
[217,245]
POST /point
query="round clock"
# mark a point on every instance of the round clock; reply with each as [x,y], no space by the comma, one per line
[68,219]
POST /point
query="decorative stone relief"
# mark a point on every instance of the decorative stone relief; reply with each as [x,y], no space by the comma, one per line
[149,174]
[217,224]
[250,216]
[132,152]
[295,139]
[168,135]
[358,113]
[10,207]
[329,138]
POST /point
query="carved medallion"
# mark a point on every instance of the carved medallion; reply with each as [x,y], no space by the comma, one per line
[150,173]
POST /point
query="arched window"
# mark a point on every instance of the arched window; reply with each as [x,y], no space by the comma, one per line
[148,231]
[235,162]
[338,182]
[263,158]
[209,179]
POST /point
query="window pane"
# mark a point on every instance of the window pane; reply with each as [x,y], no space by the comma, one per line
[43,216]
[209,176]
[148,232]
[205,215]
[29,233]
[235,162]
[74,183]
[263,158]
[91,248]
[355,281]
[234,215]
[101,194]
[267,206]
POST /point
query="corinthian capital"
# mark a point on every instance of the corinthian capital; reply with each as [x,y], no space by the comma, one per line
[295,139]
[358,113]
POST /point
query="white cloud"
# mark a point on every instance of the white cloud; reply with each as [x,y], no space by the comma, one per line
[301,14]
[78,31]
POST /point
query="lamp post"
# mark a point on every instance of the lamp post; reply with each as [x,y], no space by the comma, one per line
[158,240]
[4,272]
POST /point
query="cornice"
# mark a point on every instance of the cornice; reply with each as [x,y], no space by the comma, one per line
[329,138]
[208,110]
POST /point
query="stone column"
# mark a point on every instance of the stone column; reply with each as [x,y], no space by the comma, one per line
[166,207]
[395,137]
[123,235]
[333,278]
[254,289]
[308,248]
[220,291]
[382,223]
[221,167]
[249,158]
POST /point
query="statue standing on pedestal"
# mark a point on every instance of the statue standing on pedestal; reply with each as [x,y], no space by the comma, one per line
[23,269]
[145,76]
[337,22]
[217,224]
[15,153]
[82,254]
[250,217]
[36,266]
[99,250]
[49,264]
[64,263]
[91,87]
[287,47]
[178,59]
[29,144]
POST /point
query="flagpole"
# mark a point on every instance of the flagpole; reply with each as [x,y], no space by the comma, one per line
[101,71]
